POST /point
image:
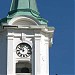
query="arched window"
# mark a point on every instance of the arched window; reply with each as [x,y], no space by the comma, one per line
[23,67]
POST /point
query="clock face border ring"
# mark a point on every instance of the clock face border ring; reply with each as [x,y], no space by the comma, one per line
[23,50]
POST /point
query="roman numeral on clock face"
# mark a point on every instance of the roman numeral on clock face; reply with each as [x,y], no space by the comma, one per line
[24,55]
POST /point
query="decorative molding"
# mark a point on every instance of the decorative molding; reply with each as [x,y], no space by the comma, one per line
[23,37]
[21,18]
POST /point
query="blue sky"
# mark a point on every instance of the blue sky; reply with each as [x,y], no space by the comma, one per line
[60,14]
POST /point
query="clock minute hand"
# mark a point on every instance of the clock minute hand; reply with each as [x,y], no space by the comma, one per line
[20,48]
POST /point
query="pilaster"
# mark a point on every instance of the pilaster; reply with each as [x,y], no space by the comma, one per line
[37,54]
[10,55]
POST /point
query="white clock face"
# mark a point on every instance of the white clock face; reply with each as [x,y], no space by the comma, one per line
[23,50]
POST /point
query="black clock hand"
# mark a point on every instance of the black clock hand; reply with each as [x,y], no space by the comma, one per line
[19,48]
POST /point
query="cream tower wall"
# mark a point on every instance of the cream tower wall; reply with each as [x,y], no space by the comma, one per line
[40,55]
[39,37]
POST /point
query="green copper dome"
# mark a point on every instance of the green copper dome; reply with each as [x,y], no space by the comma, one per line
[23,4]
[24,8]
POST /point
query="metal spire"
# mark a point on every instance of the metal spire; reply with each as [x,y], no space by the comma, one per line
[24,7]
[23,4]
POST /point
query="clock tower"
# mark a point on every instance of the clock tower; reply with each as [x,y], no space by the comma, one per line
[25,39]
